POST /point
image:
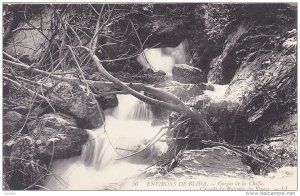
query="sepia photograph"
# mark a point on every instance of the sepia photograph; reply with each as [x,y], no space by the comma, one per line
[150,96]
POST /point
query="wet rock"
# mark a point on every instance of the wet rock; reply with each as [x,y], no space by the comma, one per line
[108,101]
[161,72]
[187,74]
[73,100]
[57,135]
[27,158]
[12,123]
[183,91]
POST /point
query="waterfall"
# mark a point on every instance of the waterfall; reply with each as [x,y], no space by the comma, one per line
[132,108]
[127,130]
[165,58]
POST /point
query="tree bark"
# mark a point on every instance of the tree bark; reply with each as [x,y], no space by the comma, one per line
[169,101]
[179,106]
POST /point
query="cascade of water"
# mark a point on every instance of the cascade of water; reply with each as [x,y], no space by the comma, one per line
[131,108]
[165,58]
[96,153]
[126,131]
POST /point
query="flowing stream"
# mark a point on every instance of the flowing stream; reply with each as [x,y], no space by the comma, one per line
[107,161]
[165,58]
[127,130]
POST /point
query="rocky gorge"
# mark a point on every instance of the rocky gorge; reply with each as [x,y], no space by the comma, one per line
[221,79]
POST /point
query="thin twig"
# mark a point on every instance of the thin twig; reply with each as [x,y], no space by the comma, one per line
[30,91]
[78,66]
[30,161]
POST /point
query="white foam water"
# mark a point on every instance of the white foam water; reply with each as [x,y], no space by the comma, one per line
[218,93]
[126,131]
[131,108]
[165,58]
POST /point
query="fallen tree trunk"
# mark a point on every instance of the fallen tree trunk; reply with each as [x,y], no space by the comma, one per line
[167,100]
[179,106]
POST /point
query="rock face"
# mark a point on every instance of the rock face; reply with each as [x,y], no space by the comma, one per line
[224,62]
[165,29]
[244,45]
[12,123]
[59,135]
[259,88]
[72,100]
[187,74]
[262,90]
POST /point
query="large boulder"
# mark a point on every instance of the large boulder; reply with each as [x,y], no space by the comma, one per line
[57,135]
[107,101]
[27,158]
[187,74]
[23,168]
[73,100]
[12,123]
